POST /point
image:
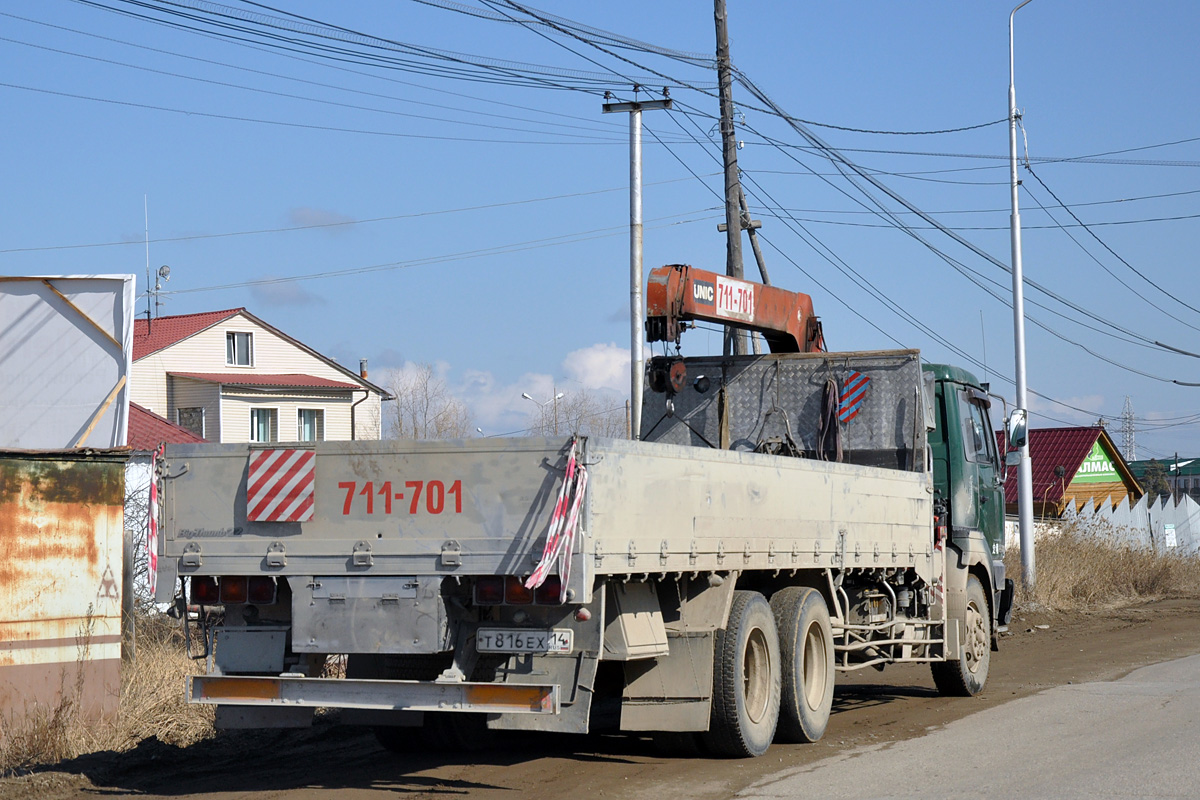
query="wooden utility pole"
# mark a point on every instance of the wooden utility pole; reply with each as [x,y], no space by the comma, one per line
[735,341]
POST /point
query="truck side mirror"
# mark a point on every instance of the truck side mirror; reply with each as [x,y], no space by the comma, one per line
[1017,426]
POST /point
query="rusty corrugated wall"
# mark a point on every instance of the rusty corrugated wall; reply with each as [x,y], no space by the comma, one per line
[61,534]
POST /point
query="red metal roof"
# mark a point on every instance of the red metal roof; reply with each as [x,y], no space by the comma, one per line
[1050,448]
[290,381]
[165,331]
[148,430]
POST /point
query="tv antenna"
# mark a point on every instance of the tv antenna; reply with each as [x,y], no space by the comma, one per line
[163,274]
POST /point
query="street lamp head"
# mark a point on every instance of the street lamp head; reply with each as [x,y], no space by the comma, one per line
[558,396]
[526,396]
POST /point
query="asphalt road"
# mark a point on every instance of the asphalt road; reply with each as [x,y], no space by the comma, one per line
[1138,737]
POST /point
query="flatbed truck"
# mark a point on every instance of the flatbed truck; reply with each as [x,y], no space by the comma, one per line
[786,517]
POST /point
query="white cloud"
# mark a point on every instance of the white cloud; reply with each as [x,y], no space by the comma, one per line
[497,405]
[601,366]
[320,217]
[284,294]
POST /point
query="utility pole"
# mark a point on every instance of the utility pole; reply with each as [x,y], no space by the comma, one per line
[1175,487]
[637,311]
[751,226]
[735,342]
[1024,466]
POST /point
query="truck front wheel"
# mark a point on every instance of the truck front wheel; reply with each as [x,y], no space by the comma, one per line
[966,675]
[746,680]
[806,656]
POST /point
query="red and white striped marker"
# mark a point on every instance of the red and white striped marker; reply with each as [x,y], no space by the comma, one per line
[279,487]
[152,526]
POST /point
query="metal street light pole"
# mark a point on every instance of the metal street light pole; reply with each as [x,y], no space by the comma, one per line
[1024,466]
[558,396]
[637,314]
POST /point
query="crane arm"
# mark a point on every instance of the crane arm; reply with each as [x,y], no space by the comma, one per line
[677,294]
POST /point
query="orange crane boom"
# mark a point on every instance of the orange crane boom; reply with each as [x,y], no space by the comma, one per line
[677,294]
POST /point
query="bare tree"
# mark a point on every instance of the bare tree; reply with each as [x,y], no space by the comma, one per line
[424,407]
[137,521]
[580,412]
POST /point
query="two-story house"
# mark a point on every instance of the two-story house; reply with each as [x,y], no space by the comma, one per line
[228,376]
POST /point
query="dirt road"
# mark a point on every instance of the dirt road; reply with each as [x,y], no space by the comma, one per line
[899,703]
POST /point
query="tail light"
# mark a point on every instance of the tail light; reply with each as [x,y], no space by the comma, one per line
[489,591]
[233,589]
[204,590]
[515,592]
[550,592]
[262,590]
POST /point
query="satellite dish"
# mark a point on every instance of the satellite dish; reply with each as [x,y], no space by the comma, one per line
[164,272]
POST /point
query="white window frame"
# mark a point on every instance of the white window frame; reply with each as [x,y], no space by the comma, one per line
[203,420]
[320,424]
[253,427]
[231,362]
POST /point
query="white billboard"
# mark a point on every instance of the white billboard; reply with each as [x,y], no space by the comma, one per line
[66,351]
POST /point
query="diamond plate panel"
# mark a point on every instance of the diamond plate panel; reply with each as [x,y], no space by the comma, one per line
[765,396]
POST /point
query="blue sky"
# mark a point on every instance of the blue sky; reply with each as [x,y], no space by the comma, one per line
[482,226]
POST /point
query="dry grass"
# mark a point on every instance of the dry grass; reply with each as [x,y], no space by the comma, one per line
[1091,566]
[152,704]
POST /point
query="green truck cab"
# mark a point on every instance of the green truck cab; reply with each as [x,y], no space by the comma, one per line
[968,477]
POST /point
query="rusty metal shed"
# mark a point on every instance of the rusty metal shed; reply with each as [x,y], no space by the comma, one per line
[65,354]
[61,536]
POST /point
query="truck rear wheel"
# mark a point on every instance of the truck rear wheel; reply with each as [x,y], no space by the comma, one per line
[746,680]
[807,663]
[966,675]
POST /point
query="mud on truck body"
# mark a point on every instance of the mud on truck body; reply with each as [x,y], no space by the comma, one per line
[786,517]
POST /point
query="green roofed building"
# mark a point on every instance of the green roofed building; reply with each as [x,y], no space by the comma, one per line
[1179,475]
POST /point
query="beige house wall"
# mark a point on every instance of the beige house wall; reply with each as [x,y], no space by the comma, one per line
[184,393]
[228,418]
[235,414]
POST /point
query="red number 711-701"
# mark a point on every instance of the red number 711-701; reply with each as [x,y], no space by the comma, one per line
[430,495]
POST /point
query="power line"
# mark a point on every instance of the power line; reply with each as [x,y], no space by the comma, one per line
[291,96]
[975,210]
[514,247]
[1105,267]
[301,125]
[839,159]
[1024,227]
[570,28]
[372,75]
[1103,244]
[338,224]
[613,39]
[461,69]
[291,78]
[1097,159]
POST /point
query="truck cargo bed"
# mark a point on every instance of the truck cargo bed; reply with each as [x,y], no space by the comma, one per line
[482,506]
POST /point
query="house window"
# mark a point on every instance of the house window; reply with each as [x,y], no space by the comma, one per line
[264,425]
[191,419]
[239,349]
[310,425]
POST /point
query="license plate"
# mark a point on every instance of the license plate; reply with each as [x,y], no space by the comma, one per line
[523,640]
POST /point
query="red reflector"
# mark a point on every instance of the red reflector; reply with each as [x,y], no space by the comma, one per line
[548,593]
[262,590]
[233,589]
[204,590]
[515,592]
[489,591]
